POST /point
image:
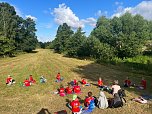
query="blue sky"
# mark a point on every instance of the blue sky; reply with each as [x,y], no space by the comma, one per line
[49,14]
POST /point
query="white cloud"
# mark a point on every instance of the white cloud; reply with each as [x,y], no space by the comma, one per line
[64,14]
[144,8]
[118,3]
[101,13]
[32,17]
[90,21]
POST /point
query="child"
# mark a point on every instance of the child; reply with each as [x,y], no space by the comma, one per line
[100,82]
[77,88]
[84,82]
[75,105]
[27,83]
[10,80]
[127,82]
[102,101]
[42,79]
[143,83]
[88,99]
[62,91]
[69,89]
[74,81]
[58,78]
[31,79]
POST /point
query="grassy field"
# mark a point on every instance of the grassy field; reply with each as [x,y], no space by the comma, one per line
[33,100]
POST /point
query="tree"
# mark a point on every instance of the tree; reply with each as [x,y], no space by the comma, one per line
[64,33]
[74,43]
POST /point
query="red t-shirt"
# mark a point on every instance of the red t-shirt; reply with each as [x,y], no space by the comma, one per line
[84,81]
[100,82]
[27,83]
[75,104]
[128,82]
[31,79]
[69,90]
[76,89]
[8,80]
[143,83]
[58,77]
[88,100]
[61,90]
[74,81]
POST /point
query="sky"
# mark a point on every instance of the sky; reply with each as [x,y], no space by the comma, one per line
[49,14]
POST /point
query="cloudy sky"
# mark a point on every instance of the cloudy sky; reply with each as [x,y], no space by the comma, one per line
[49,14]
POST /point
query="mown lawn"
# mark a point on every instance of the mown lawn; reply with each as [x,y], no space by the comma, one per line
[31,100]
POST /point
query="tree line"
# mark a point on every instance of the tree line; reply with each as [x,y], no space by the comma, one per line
[120,37]
[16,34]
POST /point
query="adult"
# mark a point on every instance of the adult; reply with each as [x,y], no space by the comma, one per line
[115,87]
[102,101]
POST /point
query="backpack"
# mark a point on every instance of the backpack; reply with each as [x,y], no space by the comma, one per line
[122,94]
[118,104]
[95,101]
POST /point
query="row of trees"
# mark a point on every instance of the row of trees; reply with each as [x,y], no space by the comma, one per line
[16,33]
[119,37]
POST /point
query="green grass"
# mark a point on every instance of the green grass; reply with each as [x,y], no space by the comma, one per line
[30,100]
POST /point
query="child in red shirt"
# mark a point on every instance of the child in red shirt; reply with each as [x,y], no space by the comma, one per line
[75,105]
[143,83]
[88,99]
[58,77]
[9,80]
[31,79]
[100,82]
[62,91]
[74,81]
[77,88]
[84,82]
[69,89]
[27,83]
[127,82]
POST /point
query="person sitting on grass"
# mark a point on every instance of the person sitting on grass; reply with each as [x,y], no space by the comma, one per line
[127,82]
[115,87]
[102,101]
[69,89]
[88,99]
[10,80]
[100,82]
[143,83]
[27,83]
[42,79]
[74,81]
[59,78]
[62,91]
[31,79]
[77,89]
[75,105]
[84,82]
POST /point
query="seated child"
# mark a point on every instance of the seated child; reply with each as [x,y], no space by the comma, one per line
[42,79]
[31,79]
[84,82]
[69,89]
[75,105]
[27,83]
[10,80]
[102,101]
[62,91]
[77,89]
[89,109]
[88,99]
[143,83]
[74,81]
[127,82]
[58,78]
[100,82]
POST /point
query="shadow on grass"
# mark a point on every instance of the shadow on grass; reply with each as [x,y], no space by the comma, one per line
[33,51]
[44,111]
[109,73]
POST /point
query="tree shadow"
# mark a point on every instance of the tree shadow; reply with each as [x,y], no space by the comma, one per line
[109,73]
[44,111]
[33,51]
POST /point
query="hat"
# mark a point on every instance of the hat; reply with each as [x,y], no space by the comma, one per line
[74,97]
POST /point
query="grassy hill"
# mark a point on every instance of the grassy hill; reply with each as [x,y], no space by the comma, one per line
[32,100]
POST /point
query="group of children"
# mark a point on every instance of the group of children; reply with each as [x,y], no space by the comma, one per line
[90,101]
[27,82]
